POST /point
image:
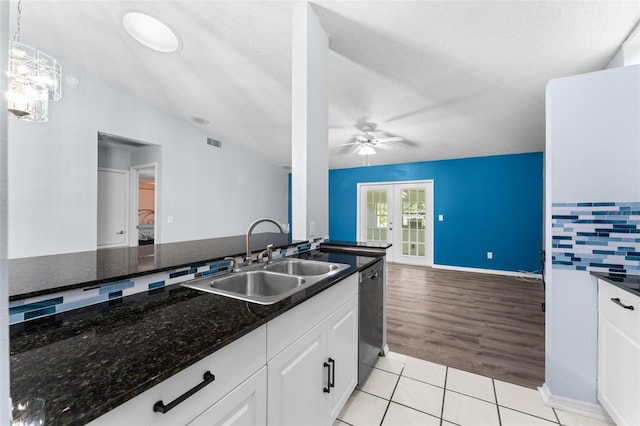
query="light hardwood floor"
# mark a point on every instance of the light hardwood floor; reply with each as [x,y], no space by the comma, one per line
[491,325]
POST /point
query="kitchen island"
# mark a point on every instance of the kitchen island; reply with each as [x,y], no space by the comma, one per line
[88,361]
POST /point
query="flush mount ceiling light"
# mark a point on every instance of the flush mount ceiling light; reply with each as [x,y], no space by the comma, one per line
[34,79]
[151,32]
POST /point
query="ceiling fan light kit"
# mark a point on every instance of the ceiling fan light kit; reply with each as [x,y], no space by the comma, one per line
[366,142]
[366,150]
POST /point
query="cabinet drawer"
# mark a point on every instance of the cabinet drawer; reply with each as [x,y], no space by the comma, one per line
[288,327]
[626,320]
[246,405]
[231,365]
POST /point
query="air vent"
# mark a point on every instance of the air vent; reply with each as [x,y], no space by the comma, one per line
[214,142]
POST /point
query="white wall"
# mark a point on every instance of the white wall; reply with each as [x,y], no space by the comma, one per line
[309,152]
[592,154]
[4,282]
[210,192]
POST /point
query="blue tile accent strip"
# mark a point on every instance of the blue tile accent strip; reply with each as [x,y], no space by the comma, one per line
[156,285]
[586,236]
[35,306]
[41,306]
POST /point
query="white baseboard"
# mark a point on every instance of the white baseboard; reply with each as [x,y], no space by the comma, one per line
[595,411]
[489,271]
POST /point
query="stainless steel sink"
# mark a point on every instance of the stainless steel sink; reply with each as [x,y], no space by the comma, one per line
[303,267]
[262,287]
[268,284]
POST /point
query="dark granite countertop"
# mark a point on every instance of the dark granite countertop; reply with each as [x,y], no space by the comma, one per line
[355,246]
[88,361]
[630,283]
[34,276]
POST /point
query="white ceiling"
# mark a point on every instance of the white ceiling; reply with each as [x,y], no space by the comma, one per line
[454,78]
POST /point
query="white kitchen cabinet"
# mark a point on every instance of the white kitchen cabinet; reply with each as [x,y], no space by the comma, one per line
[231,366]
[342,347]
[311,379]
[618,353]
[245,405]
[296,382]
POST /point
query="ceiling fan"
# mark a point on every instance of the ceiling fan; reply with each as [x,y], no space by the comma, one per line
[366,142]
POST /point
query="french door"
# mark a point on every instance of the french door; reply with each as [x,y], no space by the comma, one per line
[400,214]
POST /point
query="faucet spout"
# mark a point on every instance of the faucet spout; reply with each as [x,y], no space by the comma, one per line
[250,230]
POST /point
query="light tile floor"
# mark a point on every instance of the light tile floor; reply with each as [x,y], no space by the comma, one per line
[404,391]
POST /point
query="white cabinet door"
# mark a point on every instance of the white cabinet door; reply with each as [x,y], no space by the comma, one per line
[618,354]
[297,380]
[246,405]
[342,348]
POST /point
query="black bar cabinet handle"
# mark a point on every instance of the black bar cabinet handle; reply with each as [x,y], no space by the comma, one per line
[332,384]
[328,388]
[161,408]
[617,301]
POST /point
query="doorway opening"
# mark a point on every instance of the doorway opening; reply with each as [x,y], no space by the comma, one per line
[128,192]
[399,213]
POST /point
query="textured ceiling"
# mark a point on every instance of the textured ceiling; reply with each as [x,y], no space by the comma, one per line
[454,78]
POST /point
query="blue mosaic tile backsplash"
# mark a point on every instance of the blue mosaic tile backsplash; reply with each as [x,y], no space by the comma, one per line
[41,306]
[596,236]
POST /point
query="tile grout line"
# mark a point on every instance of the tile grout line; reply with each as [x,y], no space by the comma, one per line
[495,395]
[391,397]
[444,394]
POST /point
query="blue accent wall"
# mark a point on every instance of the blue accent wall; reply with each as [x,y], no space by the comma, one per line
[489,204]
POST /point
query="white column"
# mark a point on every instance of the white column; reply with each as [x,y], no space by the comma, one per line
[309,125]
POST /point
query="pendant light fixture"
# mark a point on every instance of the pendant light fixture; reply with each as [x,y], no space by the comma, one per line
[34,79]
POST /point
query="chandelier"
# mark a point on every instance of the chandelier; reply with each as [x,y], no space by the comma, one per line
[34,79]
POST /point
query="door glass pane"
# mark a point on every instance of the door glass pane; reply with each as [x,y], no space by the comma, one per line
[413,222]
[377,216]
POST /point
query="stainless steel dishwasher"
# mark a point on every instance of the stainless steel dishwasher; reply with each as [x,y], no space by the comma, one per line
[370,321]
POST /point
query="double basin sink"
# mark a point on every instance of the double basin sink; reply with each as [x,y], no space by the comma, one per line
[268,283]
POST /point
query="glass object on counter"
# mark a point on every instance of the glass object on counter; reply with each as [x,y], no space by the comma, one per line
[29,412]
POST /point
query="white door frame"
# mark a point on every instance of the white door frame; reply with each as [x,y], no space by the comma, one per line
[133,206]
[392,186]
[127,204]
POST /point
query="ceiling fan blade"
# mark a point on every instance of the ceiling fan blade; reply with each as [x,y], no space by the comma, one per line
[361,138]
[356,149]
[390,139]
[348,143]
[383,146]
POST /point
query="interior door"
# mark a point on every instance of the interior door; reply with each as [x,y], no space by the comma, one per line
[400,214]
[112,207]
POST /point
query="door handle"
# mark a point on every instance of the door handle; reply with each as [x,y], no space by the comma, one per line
[617,301]
[119,232]
[159,406]
[332,384]
[328,388]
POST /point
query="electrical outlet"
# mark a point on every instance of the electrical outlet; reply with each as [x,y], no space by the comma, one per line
[169,219]
[312,229]
[440,217]
[489,255]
